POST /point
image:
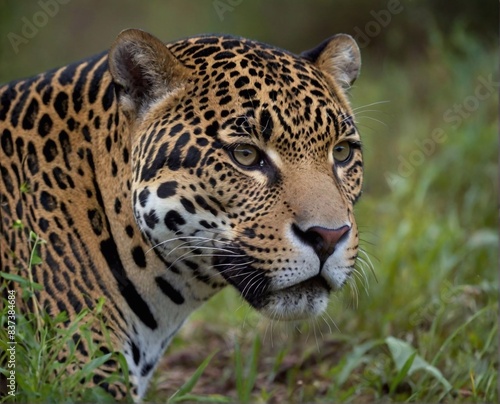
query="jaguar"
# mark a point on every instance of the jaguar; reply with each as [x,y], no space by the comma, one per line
[157,174]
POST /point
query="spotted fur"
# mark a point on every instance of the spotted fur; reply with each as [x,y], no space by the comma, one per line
[127,165]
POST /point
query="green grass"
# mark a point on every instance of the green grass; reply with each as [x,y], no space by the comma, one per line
[39,376]
[425,327]
[38,340]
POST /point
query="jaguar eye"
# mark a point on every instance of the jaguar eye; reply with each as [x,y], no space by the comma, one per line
[247,155]
[342,152]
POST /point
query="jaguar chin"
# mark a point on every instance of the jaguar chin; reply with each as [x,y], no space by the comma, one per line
[298,302]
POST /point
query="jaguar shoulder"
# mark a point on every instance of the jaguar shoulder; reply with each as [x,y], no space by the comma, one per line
[158,174]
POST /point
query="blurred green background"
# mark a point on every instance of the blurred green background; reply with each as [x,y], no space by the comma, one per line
[74,29]
[426,105]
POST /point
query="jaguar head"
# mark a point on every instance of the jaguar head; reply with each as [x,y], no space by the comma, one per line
[246,163]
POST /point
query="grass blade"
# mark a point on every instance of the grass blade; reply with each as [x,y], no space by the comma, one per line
[187,387]
[401,351]
[402,373]
[211,398]
[355,359]
[22,281]
[251,370]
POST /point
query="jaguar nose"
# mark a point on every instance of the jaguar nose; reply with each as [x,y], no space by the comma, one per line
[322,239]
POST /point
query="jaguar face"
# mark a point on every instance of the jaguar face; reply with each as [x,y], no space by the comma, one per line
[246,164]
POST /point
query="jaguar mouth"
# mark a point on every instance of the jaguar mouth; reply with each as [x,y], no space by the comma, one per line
[309,284]
[297,302]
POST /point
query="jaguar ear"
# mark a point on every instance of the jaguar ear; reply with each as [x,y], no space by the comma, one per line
[338,56]
[144,69]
